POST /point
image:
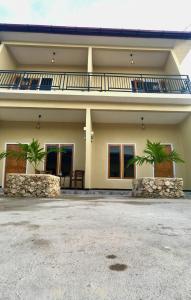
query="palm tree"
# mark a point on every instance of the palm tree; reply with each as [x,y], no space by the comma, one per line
[155,153]
[32,152]
[3,155]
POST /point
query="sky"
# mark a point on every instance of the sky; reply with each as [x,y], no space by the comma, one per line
[130,14]
[143,14]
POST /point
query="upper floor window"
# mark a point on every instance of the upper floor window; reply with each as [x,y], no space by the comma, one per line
[118,158]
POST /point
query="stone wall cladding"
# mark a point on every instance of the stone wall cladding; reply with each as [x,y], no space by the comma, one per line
[32,185]
[148,187]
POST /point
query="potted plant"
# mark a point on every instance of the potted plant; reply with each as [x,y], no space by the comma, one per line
[35,185]
[161,187]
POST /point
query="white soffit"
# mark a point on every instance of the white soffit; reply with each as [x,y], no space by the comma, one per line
[87,40]
[25,55]
[121,58]
[135,117]
[48,115]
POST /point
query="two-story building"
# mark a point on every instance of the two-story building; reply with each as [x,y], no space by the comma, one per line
[99,94]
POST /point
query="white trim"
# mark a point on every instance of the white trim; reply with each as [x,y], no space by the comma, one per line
[60,144]
[173,163]
[84,46]
[4,160]
[107,166]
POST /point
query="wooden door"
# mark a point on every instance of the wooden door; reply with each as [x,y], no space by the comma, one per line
[13,165]
[164,169]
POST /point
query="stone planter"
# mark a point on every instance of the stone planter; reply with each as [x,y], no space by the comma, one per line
[149,187]
[32,185]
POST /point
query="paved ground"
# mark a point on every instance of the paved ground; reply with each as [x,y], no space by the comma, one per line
[95,248]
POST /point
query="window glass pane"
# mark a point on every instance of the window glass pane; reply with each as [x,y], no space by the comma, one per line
[52,159]
[66,159]
[114,161]
[129,172]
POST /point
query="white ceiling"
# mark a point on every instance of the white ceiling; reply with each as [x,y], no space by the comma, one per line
[78,116]
[30,55]
[135,117]
[48,115]
[121,58]
[25,55]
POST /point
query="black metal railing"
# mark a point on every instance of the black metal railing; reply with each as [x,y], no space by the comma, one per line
[138,83]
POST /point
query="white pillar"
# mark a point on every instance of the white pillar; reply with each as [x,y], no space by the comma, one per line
[88,158]
[90,60]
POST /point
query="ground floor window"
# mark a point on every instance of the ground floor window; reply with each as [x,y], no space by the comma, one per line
[60,160]
[118,158]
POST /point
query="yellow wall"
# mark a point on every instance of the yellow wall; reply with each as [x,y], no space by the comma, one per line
[171,67]
[132,134]
[6,60]
[185,128]
[130,70]
[52,68]
[104,134]
[14,132]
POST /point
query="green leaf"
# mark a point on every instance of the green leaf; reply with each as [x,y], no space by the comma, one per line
[33,153]
[155,153]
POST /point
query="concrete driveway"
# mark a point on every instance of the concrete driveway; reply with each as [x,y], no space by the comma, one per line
[84,248]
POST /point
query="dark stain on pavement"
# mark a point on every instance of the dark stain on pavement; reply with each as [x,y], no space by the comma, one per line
[33,226]
[22,223]
[111,256]
[42,243]
[118,267]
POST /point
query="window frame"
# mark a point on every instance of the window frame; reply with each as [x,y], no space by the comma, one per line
[122,162]
[58,167]
[60,154]
[111,145]
[121,145]
[57,158]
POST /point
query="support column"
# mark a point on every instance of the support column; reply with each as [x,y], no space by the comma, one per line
[88,158]
[90,60]
[90,67]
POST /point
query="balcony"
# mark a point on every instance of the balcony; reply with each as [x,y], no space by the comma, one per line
[100,82]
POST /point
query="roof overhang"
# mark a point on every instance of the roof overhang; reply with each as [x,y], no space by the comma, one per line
[91,36]
[92,31]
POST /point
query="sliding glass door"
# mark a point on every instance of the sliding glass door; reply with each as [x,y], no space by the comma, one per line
[59,160]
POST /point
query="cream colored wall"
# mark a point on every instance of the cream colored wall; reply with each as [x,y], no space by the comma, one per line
[181,49]
[130,70]
[172,67]
[14,132]
[185,129]
[6,60]
[105,134]
[52,68]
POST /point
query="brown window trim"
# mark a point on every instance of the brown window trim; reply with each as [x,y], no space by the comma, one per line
[57,159]
[121,146]
[66,145]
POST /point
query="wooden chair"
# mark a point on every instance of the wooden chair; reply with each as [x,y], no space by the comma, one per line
[77,176]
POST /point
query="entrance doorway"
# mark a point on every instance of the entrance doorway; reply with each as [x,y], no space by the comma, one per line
[60,161]
[164,169]
[12,164]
